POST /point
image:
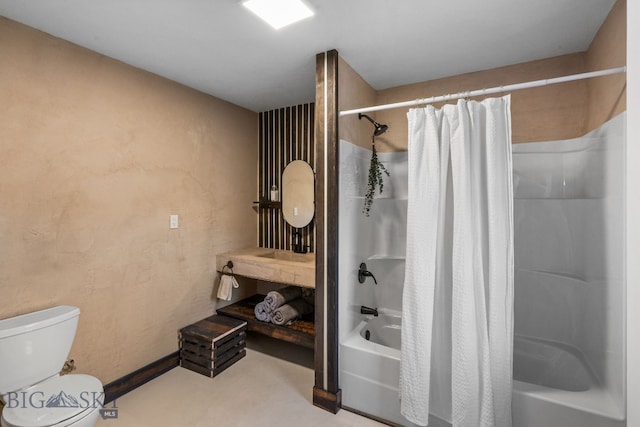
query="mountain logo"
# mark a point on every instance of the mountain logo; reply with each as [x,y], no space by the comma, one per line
[62,400]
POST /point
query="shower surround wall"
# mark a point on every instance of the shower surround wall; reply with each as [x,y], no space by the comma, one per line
[569,288]
[378,240]
[568,346]
[568,239]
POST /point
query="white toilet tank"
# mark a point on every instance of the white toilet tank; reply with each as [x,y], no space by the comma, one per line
[34,346]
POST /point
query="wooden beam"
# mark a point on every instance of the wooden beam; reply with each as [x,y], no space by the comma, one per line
[326,317]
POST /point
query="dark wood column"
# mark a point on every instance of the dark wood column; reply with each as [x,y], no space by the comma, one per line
[326,391]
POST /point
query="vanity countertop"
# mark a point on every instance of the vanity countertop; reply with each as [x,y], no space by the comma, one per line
[273,265]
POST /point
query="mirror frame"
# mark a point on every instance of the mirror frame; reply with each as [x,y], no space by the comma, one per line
[298,191]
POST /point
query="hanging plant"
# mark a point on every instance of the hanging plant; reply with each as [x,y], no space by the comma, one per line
[375,178]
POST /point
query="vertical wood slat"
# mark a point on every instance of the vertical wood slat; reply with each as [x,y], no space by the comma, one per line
[271,166]
[288,144]
[310,138]
[286,134]
[261,155]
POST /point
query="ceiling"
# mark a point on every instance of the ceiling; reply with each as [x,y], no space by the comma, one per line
[220,48]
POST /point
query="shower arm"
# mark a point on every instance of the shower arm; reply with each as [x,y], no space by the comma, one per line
[379,129]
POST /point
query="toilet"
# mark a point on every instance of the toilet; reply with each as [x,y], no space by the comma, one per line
[33,349]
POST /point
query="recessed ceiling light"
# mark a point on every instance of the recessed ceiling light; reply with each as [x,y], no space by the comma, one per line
[279,13]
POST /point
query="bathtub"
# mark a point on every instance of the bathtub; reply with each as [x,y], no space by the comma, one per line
[553,384]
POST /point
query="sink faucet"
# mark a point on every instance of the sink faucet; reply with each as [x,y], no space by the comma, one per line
[298,247]
[368,310]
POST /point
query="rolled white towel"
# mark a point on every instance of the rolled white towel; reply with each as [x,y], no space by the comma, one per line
[227,283]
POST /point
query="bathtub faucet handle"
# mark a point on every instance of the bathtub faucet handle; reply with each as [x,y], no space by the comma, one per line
[363,273]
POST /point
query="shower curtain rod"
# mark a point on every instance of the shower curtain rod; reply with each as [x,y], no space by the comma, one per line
[489,91]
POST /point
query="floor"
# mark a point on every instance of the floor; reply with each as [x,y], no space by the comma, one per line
[272,385]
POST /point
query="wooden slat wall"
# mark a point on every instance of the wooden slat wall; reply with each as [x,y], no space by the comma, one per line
[286,134]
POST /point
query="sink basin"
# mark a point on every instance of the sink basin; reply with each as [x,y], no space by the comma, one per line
[288,256]
[271,265]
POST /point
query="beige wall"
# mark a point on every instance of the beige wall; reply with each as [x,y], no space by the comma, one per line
[354,92]
[546,113]
[94,157]
[537,114]
[608,95]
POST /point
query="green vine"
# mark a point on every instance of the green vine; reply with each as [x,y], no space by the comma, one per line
[375,179]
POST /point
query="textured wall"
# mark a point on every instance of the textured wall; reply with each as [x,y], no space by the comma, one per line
[94,157]
[538,114]
[608,94]
[354,92]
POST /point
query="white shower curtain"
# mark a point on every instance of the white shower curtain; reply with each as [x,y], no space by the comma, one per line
[457,313]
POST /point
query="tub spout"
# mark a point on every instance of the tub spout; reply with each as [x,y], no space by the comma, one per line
[368,310]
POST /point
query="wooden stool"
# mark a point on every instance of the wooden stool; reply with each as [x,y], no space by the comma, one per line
[211,345]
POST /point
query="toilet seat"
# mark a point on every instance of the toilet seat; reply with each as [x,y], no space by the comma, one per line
[70,398]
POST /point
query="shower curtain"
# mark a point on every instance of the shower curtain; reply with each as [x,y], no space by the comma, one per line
[457,312]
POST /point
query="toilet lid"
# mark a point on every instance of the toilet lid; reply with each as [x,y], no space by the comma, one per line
[53,401]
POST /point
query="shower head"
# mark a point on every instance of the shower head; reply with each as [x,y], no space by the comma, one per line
[380,129]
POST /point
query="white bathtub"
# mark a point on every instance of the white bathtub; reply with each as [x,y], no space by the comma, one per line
[370,371]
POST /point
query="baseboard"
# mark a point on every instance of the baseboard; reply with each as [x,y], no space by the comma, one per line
[326,400]
[129,382]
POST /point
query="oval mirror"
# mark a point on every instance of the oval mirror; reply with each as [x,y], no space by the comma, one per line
[298,184]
